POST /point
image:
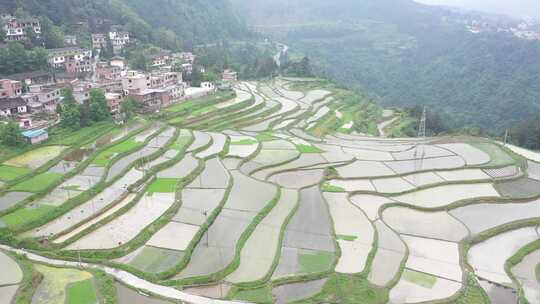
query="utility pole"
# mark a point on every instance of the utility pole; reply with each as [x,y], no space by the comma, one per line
[506,137]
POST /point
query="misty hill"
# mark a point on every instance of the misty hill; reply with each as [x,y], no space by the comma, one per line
[406,53]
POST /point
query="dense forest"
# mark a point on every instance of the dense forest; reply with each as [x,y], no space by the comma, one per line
[404,54]
[184,22]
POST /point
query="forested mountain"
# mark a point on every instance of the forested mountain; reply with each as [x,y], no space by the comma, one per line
[405,53]
[193,21]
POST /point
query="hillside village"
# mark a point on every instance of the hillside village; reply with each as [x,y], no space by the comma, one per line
[33,98]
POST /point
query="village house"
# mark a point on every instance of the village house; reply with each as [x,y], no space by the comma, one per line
[43,97]
[99,41]
[230,76]
[105,71]
[135,81]
[35,137]
[29,78]
[114,101]
[160,59]
[119,40]
[17,29]
[186,57]
[73,60]
[118,61]
[163,79]
[70,40]
[151,99]
[12,106]
[10,88]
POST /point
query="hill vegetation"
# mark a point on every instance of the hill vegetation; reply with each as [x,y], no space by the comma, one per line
[405,54]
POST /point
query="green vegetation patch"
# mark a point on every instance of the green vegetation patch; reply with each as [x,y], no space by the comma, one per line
[163,185]
[8,173]
[37,157]
[66,136]
[419,278]
[308,149]
[348,289]
[258,295]
[265,136]
[26,215]
[104,157]
[498,156]
[326,187]
[82,292]
[182,142]
[349,238]
[315,262]
[37,183]
[155,260]
[244,142]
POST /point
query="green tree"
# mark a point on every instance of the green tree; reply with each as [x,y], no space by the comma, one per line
[2,31]
[10,134]
[99,110]
[70,114]
[196,76]
[51,35]
[129,107]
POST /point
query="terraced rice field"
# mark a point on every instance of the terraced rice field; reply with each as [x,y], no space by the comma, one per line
[270,211]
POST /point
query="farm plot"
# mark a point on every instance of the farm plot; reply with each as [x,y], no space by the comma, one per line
[523,187]
[197,204]
[428,164]
[144,135]
[36,158]
[248,194]
[447,194]
[504,173]
[90,208]
[8,173]
[320,114]
[152,259]
[181,169]
[174,236]
[472,155]
[525,273]
[284,124]
[153,146]
[370,204]
[297,291]
[392,185]
[10,199]
[436,225]
[37,183]
[305,160]
[533,170]
[218,144]
[7,293]
[363,169]
[259,251]
[389,256]
[315,95]
[242,146]
[125,227]
[463,175]
[308,245]
[338,185]
[11,272]
[218,245]
[214,176]
[128,199]
[298,179]
[129,296]
[201,140]
[430,151]
[287,106]
[498,294]
[491,266]
[482,217]
[417,287]
[354,231]
[534,156]
[263,125]
[269,157]
[435,257]
[305,136]
[423,179]
[364,154]
[57,286]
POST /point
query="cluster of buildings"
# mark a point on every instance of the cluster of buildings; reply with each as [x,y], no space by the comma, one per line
[118,39]
[18,29]
[522,30]
[32,98]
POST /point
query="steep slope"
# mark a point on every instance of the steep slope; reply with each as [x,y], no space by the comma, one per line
[195,21]
[406,53]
